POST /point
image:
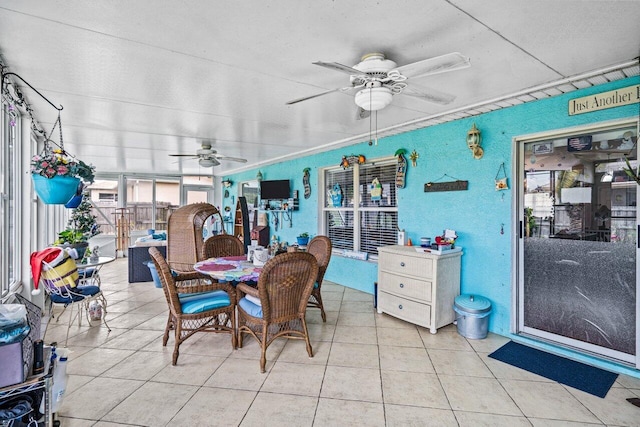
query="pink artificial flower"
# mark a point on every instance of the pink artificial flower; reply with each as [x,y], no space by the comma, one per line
[44,164]
[62,170]
[50,172]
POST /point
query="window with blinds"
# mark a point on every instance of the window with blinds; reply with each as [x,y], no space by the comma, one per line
[372,221]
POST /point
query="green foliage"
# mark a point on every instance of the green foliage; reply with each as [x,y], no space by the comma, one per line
[530,220]
[70,236]
[303,235]
[633,174]
[81,226]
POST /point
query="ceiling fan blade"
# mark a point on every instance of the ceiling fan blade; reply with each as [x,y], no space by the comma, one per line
[184,155]
[439,64]
[342,89]
[362,113]
[340,67]
[429,94]
[232,159]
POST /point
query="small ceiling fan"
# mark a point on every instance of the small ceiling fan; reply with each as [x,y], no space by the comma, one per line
[376,79]
[207,157]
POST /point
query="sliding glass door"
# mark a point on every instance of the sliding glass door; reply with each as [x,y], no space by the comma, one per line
[578,245]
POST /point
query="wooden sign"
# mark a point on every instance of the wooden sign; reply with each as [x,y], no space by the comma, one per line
[600,101]
[432,187]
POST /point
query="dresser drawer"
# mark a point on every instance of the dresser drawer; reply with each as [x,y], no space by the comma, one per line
[404,264]
[411,311]
[405,286]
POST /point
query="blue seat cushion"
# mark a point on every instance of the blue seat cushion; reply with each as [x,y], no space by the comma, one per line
[204,301]
[79,293]
[250,308]
[200,295]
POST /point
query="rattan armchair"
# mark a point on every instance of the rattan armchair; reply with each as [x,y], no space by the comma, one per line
[194,308]
[320,247]
[222,245]
[276,308]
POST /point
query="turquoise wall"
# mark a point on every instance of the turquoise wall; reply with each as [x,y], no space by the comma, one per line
[477,214]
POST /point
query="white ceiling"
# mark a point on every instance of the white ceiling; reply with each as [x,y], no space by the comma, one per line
[142,79]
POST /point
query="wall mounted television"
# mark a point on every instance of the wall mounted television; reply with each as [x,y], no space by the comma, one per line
[275,190]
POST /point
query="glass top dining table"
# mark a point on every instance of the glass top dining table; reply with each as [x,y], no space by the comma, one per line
[230,269]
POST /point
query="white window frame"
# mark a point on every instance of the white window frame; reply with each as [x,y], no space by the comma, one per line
[10,203]
[356,210]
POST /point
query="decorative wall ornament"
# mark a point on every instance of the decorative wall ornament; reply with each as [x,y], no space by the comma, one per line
[305,182]
[336,195]
[501,182]
[414,158]
[348,161]
[474,139]
[375,188]
[401,168]
[435,186]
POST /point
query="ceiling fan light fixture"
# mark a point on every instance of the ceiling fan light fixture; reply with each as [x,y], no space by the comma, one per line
[373,99]
[206,163]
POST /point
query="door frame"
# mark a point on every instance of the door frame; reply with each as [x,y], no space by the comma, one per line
[194,187]
[518,153]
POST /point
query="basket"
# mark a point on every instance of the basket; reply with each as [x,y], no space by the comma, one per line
[34,318]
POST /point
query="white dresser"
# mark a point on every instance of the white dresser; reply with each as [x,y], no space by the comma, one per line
[418,287]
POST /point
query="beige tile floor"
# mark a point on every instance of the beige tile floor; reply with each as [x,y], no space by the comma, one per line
[367,369]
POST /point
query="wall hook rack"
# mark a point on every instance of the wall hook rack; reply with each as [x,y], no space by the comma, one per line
[32,88]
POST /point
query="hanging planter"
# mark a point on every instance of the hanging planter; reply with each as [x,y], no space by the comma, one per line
[74,202]
[57,175]
[56,190]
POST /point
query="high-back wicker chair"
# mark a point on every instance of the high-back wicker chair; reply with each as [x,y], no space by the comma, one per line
[277,307]
[184,234]
[222,245]
[203,307]
[320,247]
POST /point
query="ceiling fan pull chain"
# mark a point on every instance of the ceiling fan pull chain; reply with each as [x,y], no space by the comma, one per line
[370,122]
[376,127]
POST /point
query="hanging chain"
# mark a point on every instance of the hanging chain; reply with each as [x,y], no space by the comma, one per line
[48,141]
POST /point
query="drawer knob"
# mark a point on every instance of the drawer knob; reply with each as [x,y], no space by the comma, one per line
[402,264]
[402,285]
[400,306]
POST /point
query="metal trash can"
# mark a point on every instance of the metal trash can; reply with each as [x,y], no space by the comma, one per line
[472,316]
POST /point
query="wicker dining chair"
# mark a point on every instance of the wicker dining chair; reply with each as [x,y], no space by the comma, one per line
[222,245]
[204,307]
[320,247]
[276,308]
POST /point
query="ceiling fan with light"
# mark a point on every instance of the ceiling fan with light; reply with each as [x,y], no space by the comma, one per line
[376,79]
[208,157]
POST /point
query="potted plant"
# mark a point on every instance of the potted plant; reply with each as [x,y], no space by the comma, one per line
[57,176]
[81,227]
[303,239]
